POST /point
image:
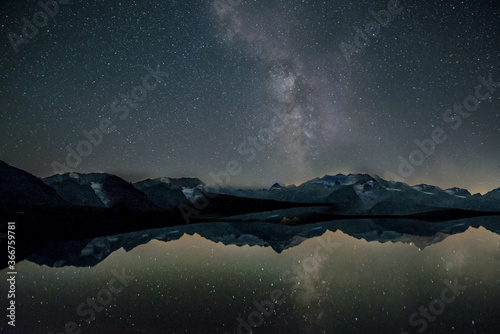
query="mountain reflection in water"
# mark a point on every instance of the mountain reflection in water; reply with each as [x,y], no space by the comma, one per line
[332,283]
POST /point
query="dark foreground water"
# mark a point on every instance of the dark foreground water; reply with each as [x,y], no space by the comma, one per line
[334,283]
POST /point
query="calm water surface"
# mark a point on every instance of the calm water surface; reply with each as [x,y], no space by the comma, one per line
[329,284]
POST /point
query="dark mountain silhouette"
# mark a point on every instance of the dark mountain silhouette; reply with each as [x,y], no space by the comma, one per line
[82,206]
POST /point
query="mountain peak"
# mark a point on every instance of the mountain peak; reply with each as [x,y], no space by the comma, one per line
[276,186]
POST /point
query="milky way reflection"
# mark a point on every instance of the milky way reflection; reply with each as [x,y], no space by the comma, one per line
[333,283]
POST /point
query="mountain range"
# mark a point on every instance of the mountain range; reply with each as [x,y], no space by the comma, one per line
[96,204]
[79,219]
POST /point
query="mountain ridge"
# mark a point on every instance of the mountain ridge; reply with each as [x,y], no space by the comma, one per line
[74,207]
[91,204]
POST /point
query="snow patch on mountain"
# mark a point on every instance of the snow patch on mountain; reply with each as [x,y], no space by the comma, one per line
[451,192]
[97,187]
[192,194]
[189,193]
[420,189]
[164,179]
[393,189]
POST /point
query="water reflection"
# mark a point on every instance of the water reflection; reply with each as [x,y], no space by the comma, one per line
[333,283]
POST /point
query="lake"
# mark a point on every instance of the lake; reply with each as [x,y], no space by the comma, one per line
[331,283]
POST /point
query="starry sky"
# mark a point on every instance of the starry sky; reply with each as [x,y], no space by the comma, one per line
[254,92]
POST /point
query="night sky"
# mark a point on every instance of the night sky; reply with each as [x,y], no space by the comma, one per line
[279,91]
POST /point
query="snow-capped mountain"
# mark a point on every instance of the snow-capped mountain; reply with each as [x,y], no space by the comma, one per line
[169,193]
[98,190]
[319,199]
[362,194]
[77,206]
[365,194]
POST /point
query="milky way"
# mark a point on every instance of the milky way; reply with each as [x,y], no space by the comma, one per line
[293,83]
[361,90]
